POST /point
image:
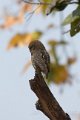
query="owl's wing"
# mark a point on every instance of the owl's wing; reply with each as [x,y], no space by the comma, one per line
[47,60]
[39,62]
[47,57]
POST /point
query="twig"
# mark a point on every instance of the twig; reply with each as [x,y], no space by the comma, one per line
[66,31]
[30,14]
[37,3]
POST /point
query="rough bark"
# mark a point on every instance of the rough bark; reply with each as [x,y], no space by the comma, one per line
[46,101]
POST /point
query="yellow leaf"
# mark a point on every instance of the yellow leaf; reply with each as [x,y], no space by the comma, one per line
[53,42]
[23,39]
[19,40]
[36,35]
[58,74]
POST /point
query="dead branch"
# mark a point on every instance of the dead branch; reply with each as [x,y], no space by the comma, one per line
[46,101]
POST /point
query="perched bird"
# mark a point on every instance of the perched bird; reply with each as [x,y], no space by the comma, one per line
[39,57]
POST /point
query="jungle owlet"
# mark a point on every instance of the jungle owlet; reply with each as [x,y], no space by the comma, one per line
[40,57]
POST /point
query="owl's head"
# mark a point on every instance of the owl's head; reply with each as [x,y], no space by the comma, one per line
[36,45]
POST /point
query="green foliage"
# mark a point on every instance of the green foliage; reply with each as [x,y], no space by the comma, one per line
[74,20]
[75,27]
[69,19]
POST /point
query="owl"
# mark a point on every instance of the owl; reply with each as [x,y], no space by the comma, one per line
[39,57]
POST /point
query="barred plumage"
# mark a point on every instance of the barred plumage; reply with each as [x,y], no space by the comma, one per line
[40,57]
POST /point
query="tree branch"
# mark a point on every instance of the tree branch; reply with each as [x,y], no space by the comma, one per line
[37,3]
[46,101]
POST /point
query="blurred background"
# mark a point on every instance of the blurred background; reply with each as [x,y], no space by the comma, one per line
[21,23]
